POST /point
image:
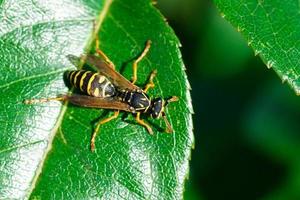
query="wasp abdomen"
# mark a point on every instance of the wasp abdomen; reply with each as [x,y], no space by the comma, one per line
[91,83]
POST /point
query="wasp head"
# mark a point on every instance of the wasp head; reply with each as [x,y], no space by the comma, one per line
[157,109]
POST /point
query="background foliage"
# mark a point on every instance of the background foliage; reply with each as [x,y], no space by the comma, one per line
[246,127]
[246,120]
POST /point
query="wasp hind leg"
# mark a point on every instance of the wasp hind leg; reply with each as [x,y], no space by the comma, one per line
[134,65]
[98,50]
[43,100]
[101,122]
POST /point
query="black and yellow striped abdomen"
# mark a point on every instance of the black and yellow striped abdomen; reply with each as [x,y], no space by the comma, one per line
[91,83]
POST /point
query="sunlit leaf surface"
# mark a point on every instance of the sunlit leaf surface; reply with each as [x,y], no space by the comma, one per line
[44,148]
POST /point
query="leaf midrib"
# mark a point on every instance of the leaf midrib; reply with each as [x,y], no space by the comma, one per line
[52,134]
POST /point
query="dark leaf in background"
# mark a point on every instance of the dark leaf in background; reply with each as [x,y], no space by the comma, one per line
[246,120]
[272,29]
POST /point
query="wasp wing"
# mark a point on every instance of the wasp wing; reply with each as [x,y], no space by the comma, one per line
[115,77]
[94,102]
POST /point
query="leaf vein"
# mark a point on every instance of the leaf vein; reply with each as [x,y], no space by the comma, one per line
[102,15]
[31,77]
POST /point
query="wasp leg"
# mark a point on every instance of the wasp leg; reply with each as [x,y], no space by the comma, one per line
[33,101]
[169,128]
[98,50]
[98,126]
[134,65]
[150,84]
[141,122]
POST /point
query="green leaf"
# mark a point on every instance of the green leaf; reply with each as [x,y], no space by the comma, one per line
[44,148]
[272,29]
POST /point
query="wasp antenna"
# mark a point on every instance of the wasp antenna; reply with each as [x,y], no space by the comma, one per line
[172,99]
[169,128]
[148,42]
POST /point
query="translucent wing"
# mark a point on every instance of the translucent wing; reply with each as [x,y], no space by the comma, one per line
[94,102]
[115,77]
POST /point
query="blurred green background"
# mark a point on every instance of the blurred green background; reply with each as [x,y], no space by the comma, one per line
[246,121]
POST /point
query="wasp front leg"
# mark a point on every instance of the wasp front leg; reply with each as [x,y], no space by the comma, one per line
[150,83]
[141,122]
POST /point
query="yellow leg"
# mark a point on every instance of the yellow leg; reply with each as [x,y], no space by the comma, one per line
[150,84]
[100,52]
[32,101]
[169,128]
[98,126]
[141,122]
[134,65]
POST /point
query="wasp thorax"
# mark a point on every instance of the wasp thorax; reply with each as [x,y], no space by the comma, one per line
[138,100]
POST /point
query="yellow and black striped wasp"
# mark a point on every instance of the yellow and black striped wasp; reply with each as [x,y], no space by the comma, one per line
[108,89]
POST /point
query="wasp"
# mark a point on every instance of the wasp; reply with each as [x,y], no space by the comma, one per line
[108,89]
